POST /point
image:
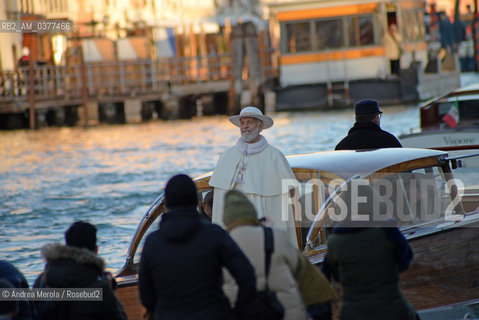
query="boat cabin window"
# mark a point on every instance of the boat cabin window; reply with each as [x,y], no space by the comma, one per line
[360,31]
[329,34]
[323,34]
[468,112]
[298,37]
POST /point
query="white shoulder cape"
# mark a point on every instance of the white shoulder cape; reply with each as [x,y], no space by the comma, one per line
[263,175]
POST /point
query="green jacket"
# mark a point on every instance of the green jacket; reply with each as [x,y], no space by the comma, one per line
[364,261]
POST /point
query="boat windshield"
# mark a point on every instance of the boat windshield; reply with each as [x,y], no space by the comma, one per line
[418,197]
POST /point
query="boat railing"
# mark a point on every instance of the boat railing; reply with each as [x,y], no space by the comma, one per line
[335,88]
[149,217]
[314,230]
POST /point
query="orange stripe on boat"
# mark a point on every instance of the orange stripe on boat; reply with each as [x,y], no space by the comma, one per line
[326,12]
[298,58]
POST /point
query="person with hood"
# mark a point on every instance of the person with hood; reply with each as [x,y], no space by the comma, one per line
[366,132]
[180,274]
[365,254]
[77,265]
[299,286]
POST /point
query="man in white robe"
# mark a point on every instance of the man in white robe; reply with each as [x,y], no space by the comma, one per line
[257,169]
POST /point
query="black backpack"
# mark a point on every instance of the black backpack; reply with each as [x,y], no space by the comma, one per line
[267,304]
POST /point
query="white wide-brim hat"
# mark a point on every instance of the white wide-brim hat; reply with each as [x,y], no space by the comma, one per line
[252,112]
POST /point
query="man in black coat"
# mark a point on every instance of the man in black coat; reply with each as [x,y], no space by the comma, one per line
[180,274]
[366,132]
[76,265]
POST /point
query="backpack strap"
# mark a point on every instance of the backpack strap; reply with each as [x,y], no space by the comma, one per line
[268,249]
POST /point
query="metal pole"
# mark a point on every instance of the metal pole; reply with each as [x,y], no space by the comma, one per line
[31,83]
[475,34]
[84,93]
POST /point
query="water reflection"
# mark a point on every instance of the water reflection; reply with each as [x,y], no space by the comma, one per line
[109,175]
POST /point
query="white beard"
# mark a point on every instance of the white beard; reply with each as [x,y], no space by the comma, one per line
[248,136]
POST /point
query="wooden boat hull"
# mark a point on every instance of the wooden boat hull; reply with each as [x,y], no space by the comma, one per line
[445,268]
[441,139]
[129,296]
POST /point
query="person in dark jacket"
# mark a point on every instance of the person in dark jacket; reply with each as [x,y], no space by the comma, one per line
[12,276]
[366,254]
[76,265]
[180,274]
[366,132]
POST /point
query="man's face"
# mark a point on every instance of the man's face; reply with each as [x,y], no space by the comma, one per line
[250,129]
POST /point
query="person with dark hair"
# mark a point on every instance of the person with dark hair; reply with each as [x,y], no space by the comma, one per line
[447,32]
[82,235]
[206,207]
[180,274]
[77,265]
[366,132]
[13,278]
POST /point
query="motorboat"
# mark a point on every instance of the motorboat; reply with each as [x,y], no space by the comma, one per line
[447,122]
[332,53]
[437,214]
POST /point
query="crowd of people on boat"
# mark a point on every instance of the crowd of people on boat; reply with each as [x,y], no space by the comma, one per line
[234,254]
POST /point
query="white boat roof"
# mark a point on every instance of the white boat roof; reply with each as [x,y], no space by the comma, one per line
[348,163]
[470,92]
[471,87]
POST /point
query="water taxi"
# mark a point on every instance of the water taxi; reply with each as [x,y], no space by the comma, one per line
[437,214]
[448,122]
[333,52]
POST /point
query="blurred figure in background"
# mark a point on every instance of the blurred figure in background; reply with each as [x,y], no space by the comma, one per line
[12,277]
[206,207]
[393,44]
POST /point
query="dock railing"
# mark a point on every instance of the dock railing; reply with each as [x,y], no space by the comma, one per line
[113,78]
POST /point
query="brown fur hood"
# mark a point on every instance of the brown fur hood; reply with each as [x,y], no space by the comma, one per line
[55,251]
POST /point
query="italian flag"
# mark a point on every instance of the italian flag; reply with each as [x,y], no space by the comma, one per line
[452,116]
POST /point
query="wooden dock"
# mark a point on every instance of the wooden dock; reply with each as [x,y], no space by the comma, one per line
[171,88]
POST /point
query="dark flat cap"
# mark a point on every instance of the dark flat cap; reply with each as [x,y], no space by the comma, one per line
[367,107]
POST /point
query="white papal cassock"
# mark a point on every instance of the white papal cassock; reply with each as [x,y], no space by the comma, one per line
[263,174]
